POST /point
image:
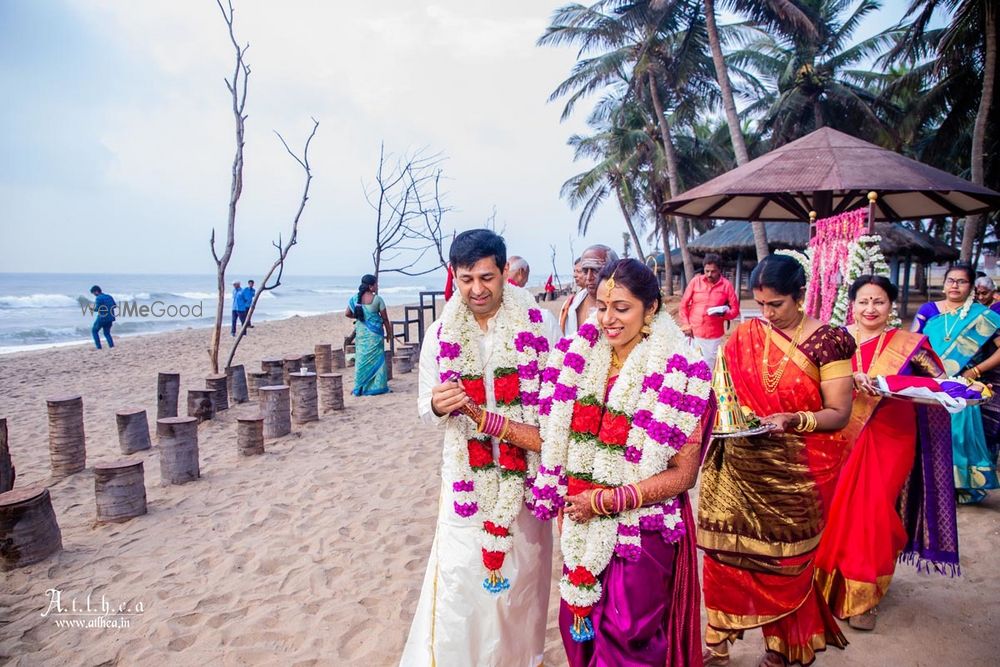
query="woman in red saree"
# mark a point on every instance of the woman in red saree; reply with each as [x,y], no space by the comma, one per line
[763,499]
[865,533]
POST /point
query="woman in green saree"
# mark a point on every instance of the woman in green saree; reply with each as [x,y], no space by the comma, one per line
[959,329]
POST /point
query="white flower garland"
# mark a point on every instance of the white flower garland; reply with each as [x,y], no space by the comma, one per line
[491,494]
[663,389]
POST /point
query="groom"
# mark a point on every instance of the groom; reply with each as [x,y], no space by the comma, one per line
[485,594]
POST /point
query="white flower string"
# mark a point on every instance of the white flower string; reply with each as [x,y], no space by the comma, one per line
[655,405]
[489,490]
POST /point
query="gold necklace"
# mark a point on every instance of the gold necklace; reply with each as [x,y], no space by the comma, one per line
[948,330]
[616,363]
[773,379]
[857,348]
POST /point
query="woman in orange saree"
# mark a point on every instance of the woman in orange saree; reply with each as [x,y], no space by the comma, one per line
[763,499]
[899,452]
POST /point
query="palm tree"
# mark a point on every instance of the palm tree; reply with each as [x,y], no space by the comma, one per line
[971,34]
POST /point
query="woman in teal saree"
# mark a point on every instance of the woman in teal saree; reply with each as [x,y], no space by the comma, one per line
[371,328]
[960,331]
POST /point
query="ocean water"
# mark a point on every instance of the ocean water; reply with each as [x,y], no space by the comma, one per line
[48,309]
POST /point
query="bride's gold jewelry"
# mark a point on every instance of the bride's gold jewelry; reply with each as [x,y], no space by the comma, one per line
[610,285]
[616,363]
[646,328]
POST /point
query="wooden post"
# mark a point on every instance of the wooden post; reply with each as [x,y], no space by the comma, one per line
[401,364]
[120,490]
[256,380]
[274,405]
[337,359]
[349,354]
[388,364]
[323,352]
[275,372]
[291,364]
[812,224]
[133,430]
[29,532]
[67,445]
[905,305]
[7,472]
[178,449]
[308,362]
[250,435]
[236,384]
[872,198]
[200,406]
[168,387]
[331,391]
[413,352]
[304,397]
[220,392]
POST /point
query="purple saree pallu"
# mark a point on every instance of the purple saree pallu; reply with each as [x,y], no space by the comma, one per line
[649,612]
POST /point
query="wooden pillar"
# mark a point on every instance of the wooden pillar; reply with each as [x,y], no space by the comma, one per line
[275,371]
[7,472]
[274,405]
[291,364]
[331,392]
[388,364]
[401,363]
[67,445]
[349,354]
[168,387]
[29,532]
[337,359]
[133,430]
[220,392]
[323,362]
[236,384]
[256,380]
[905,305]
[200,406]
[308,362]
[304,397]
[739,274]
[178,449]
[119,490]
[250,435]
[894,270]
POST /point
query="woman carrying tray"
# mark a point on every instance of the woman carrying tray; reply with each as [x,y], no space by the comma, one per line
[897,446]
[763,500]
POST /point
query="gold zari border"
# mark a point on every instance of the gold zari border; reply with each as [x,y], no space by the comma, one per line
[716,541]
[835,370]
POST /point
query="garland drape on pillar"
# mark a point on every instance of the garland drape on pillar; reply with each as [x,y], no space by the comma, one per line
[830,249]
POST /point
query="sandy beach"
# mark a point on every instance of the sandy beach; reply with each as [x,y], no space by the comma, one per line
[313,553]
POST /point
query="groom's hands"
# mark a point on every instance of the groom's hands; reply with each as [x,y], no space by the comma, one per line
[447,397]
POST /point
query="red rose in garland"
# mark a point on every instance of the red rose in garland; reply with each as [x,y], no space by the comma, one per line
[513,458]
[507,386]
[580,576]
[614,429]
[475,389]
[586,418]
[480,454]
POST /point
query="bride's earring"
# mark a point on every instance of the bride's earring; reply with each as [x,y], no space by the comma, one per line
[646,329]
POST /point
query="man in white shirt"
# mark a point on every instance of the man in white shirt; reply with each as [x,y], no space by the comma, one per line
[576,310]
[480,338]
[518,271]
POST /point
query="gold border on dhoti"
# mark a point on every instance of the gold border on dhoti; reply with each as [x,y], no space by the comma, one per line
[741,544]
[853,597]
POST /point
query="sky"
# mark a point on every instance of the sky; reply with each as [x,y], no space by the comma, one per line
[117,139]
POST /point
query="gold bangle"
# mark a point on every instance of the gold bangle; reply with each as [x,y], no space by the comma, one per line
[482,420]
[811,426]
[638,492]
[979,373]
[593,502]
[802,423]
[503,431]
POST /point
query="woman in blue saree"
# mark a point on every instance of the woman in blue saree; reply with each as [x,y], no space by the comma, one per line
[371,328]
[960,331]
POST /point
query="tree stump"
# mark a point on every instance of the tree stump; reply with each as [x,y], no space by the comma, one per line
[337,359]
[120,490]
[305,401]
[7,472]
[168,387]
[388,364]
[133,430]
[401,364]
[350,354]
[29,532]
[308,362]
[200,405]
[178,450]
[220,392]
[67,446]
[236,384]
[331,391]
[256,380]
[250,435]
[292,364]
[274,405]
[275,372]
[323,353]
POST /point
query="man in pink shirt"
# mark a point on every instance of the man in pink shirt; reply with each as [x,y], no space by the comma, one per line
[708,301]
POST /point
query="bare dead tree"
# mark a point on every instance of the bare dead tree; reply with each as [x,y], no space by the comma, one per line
[408,217]
[555,271]
[283,249]
[238,92]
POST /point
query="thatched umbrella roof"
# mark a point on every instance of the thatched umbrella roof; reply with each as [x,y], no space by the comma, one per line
[831,172]
[733,237]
